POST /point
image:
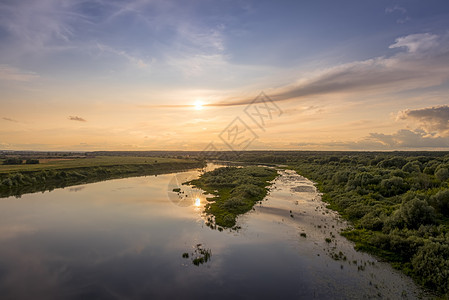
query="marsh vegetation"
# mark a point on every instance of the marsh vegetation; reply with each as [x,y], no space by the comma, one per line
[398,205]
[236,191]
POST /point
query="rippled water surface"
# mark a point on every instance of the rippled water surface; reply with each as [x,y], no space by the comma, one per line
[136,238]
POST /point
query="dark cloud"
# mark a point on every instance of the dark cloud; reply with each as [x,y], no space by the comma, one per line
[403,139]
[76,118]
[10,120]
[431,119]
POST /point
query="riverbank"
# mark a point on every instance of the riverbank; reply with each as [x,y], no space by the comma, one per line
[16,180]
[398,208]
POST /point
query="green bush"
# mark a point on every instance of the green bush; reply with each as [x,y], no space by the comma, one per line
[234,203]
[431,265]
[393,186]
[416,212]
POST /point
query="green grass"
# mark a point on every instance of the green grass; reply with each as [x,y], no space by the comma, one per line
[100,161]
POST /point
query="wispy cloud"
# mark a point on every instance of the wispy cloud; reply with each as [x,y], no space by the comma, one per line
[424,63]
[10,120]
[135,60]
[420,42]
[39,24]
[162,31]
[76,118]
[197,50]
[9,73]
[401,10]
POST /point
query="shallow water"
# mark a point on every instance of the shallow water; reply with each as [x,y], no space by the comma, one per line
[125,239]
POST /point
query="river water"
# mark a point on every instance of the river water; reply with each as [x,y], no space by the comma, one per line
[136,238]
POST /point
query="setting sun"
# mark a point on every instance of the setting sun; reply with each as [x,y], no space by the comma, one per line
[198,105]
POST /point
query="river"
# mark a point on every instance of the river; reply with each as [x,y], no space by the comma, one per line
[135,238]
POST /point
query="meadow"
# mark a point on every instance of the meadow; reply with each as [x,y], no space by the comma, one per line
[52,173]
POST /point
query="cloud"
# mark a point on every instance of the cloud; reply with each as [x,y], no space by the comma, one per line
[76,118]
[395,8]
[38,23]
[9,73]
[134,60]
[10,120]
[196,50]
[403,139]
[424,63]
[420,42]
[401,10]
[431,119]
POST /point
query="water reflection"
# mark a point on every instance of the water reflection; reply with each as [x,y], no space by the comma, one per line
[124,239]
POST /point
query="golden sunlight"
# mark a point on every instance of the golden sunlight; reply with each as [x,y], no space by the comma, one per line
[198,105]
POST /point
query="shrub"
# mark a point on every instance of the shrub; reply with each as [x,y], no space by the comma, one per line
[417,212]
[248,190]
[393,186]
[234,203]
[431,264]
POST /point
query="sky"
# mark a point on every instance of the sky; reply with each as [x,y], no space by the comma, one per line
[224,75]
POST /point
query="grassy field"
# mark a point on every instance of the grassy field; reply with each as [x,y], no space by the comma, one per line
[100,161]
[16,180]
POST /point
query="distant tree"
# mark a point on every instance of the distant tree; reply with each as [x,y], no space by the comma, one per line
[393,162]
[412,167]
[32,161]
[12,161]
[442,174]
[441,202]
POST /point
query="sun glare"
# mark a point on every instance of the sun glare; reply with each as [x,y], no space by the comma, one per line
[198,105]
[197,202]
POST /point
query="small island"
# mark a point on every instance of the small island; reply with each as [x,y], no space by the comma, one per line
[236,191]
